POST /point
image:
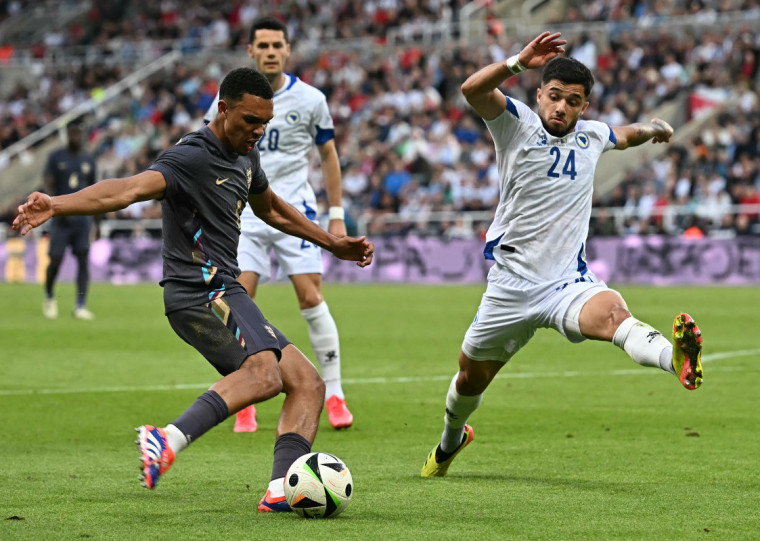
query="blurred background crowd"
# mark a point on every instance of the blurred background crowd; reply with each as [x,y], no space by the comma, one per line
[414,158]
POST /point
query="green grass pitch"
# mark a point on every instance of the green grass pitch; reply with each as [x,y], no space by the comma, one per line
[571,441]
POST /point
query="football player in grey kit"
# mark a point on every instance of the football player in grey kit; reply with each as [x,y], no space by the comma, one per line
[302,123]
[204,182]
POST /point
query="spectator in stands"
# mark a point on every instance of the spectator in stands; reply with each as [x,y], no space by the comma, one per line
[376,92]
[602,225]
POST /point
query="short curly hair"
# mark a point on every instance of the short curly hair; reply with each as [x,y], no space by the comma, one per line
[244,81]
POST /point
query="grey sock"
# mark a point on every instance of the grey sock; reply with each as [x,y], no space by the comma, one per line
[208,410]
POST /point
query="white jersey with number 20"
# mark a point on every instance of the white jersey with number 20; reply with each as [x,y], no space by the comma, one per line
[541,223]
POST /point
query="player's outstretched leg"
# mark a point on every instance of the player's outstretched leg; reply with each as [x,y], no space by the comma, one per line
[156,457]
[687,351]
[438,462]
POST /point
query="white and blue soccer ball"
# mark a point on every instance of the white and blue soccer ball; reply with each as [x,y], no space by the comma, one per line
[318,485]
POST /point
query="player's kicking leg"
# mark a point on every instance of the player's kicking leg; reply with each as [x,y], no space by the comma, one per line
[156,455]
[687,351]
[256,380]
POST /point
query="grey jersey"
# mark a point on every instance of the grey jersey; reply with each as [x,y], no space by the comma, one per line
[207,187]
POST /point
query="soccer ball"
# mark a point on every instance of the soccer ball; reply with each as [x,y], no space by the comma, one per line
[318,485]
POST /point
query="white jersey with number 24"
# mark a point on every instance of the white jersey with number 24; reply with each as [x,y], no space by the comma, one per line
[541,222]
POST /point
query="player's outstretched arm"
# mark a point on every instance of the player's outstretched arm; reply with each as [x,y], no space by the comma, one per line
[658,131]
[481,88]
[105,196]
[283,216]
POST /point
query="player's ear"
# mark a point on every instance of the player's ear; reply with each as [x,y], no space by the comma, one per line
[250,50]
[222,107]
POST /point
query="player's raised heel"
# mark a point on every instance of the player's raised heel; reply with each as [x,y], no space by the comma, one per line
[433,468]
[687,351]
[270,504]
[156,457]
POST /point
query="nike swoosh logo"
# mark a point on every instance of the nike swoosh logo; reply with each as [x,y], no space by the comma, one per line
[221,181]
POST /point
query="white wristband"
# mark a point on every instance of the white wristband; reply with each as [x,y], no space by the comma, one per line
[337,213]
[513,63]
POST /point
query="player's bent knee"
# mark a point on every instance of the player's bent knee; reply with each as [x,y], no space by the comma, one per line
[299,374]
[475,376]
[310,300]
[262,372]
[601,315]
[618,314]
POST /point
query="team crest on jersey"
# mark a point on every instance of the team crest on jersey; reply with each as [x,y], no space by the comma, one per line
[292,117]
[582,139]
[249,177]
[86,168]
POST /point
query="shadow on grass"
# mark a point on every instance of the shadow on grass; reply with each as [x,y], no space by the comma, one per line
[592,485]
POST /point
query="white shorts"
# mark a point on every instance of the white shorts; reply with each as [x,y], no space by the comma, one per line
[294,255]
[512,309]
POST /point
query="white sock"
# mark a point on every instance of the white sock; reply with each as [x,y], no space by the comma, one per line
[177,440]
[323,334]
[277,487]
[458,410]
[644,344]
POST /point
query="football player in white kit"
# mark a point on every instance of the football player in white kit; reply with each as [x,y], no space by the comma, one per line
[546,163]
[301,120]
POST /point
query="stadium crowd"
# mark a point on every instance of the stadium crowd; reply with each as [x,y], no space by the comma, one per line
[408,143]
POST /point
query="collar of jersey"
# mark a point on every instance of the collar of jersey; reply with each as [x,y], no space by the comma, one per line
[227,154]
[292,79]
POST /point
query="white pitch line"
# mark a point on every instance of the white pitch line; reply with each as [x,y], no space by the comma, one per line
[401,379]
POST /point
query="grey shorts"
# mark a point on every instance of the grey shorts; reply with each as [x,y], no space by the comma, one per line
[227,330]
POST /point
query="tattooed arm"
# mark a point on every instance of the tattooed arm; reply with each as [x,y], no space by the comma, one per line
[637,134]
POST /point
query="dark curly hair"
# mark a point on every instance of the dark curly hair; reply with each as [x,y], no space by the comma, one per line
[569,71]
[244,81]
